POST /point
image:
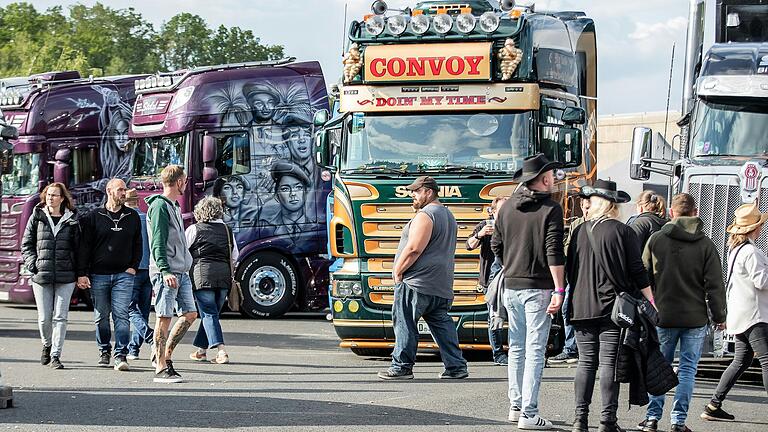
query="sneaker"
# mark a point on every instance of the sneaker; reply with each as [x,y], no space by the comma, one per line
[198,356]
[564,357]
[501,360]
[104,359]
[396,374]
[221,358]
[121,365]
[514,414]
[713,413]
[168,374]
[580,425]
[456,374]
[648,425]
[45,357]
[680,428]
[56,363]
[533,423]
[132,356]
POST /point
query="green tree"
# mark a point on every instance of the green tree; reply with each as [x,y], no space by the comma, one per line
[183,42]
[232,45]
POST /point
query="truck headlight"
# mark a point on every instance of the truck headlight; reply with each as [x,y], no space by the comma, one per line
[466,22]
[348,288]
[419,24]
[397,24]
[374,25]
[442,23]
[489,22]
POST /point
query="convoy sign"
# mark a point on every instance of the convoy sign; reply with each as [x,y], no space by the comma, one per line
[432,62]
[440,97]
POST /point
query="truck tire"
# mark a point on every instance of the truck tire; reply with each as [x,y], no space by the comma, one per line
[372,352]
[270,284]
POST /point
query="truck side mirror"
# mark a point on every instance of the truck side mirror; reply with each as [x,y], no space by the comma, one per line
[322,150]
[62,170]
[574,116]
[641,148]
[8,132]
[321,117]
[6,157]
[209,150]
[210,174]
[569,147]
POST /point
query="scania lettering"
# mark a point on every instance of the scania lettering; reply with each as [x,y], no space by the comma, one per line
[243,133]
[465,108]
[71,130]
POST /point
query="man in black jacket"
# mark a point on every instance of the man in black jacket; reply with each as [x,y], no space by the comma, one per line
[110,252]
[684,267]
[528,238]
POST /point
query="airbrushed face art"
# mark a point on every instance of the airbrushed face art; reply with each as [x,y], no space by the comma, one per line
[277,116]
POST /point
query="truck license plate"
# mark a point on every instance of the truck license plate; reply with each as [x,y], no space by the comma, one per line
[423,327]
[5,296]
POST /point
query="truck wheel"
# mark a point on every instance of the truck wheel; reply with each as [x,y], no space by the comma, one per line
[372,352]
[270,283]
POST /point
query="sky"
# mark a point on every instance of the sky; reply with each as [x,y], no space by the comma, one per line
[634,38]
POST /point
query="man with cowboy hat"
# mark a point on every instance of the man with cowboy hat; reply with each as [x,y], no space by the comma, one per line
[423,276]
[528,238]
[684,268]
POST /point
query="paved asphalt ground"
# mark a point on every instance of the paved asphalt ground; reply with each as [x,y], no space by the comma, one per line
[286,375]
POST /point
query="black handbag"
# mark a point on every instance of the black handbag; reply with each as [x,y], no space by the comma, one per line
[624,312]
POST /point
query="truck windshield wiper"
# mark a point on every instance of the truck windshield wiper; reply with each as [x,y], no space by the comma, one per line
[455,168]
[371,169]
[718,154]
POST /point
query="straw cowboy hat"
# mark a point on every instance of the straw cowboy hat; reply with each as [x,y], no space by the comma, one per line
[606,189]
[747,219]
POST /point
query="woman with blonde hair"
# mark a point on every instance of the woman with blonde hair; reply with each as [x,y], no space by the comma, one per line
[652,215]
[49,247]
[747,300]
[213,250]
[595,276]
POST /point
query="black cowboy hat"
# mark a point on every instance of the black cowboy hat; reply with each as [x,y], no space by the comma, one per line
[533,166]
[605,189]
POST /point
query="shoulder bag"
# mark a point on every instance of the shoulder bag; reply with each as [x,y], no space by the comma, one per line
[624,312]
[235,296]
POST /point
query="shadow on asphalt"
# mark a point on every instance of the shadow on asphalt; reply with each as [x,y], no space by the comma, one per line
[220,411]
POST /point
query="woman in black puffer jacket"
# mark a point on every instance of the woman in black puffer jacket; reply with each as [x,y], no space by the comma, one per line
[49,248]
[652,215]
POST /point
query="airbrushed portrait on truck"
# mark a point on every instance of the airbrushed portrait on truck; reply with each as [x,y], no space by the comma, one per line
[71,130]
[461,93]
[243,133]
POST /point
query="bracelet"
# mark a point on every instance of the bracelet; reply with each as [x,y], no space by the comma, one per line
[560,290]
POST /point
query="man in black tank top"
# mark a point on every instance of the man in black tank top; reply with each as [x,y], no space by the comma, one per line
[423,276]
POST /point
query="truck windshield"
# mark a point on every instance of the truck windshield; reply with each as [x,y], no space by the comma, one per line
[25,176]
[730,130]
[472,142]
[154,154]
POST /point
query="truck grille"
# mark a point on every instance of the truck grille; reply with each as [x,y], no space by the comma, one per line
[9,233]
[718,196]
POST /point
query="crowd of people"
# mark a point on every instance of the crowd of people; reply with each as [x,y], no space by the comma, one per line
[660,263]
[123,255]
[632,295]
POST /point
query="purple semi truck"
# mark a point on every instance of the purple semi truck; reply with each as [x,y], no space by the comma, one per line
[243,133]
[72,130]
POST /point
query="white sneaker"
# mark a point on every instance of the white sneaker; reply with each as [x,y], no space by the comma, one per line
[533,423]
[514,414]
[132,357]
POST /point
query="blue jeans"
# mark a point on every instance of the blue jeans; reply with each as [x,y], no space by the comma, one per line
[569,346]
[691,341]
[112,294]
[529,326]
[496,339]
[409,306]
[209,304]
[138,312]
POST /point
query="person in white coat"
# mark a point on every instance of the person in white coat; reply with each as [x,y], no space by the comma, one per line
[747,300]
